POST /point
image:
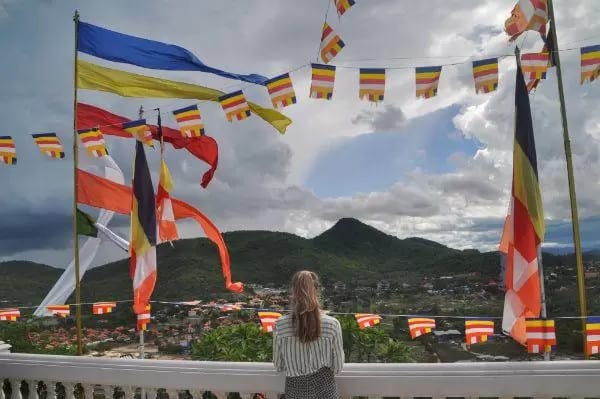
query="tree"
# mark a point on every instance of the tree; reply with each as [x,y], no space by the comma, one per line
[236,343]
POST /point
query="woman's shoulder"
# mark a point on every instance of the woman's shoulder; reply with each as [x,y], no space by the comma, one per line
[329,324]
[326,319]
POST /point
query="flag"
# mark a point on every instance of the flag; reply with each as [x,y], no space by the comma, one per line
[527,15]
[343,5]
[541,336]
[427,79]
[281,91]
[477,331]
[525,230]
[419,326]
[372,84]
[592,335]
[8,151]
[93,141]
[535,65]
[9,314]
[365,320]
[189,121]
[323,79]
[551,50]
[267,320]
[49,144]
[485,73]
[590,63]
[142,245]
[139,130]
[167,229]
[86,225]
[143,318]
[235,105]
[103,307]
[59,310]
[331,44]
[230,307]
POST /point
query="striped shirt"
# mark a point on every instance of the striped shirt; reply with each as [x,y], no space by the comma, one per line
[303,358]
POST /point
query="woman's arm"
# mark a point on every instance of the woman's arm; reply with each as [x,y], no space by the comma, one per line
[277,355]
[338,349]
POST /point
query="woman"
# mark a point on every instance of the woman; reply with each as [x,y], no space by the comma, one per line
[307,344]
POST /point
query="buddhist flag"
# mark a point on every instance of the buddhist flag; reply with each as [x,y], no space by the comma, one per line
[590,63]
[267,320]
[549,49]
[331,44]
[592,335]
[427,79]
[139,130]
[143,319]
[372,84]
[281,91]
[8,151]
[143,233]
[189,121]
[230,307]
[59,310]
[541,336]
[365,320]
[419,326]
[167,229]
[99,308]
[9,314]
[86,225]
[485,73]
[49,144]
[535,65]
[323,79]
[235,106]
[525,229]
[343,5]
[93,141]
[527,15]
[477,331]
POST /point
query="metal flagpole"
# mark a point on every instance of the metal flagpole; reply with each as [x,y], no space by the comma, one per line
[571,177]
[142,346]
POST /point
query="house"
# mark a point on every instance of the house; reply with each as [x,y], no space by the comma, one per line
[339,286]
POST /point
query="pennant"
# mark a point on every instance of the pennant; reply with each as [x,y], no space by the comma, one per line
[427,79]
[541,336]
[343,5]
[189,121]
[527,15]
[281,91]
[535,65]
[167,229]
[267,320]
[590,63]
[235,105]
[372,84]
[419,326]
[592,336]
[49,144]
[323,79]
[86,225]
[331,44]
[93,141]
[59,310]
[485,73]
[139,130]
[551,50]
[9,314]
[143,319]
[365,320]
[477,331]
[99,308]
[8,151]
[230,307]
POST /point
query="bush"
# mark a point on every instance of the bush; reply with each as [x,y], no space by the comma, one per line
[237,343]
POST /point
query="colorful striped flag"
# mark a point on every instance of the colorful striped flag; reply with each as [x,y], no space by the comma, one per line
[331,44]
[9,314]
[49,144]
[8,150]
[281,91]
[419,326]
[592,335]
[143,318]
[103,307]
[485,73]
[189,121]
[427,79]
[535,65]
[541,336]
[235,106]
[167,229]
[93,141]
[372,84]
[590,63]
[525,230]
[323,79]
[365,320]
[527,15]
[551,50]
[267,320]
[139,130]
[477,331]
[230,307]
[343,5]
[59,310]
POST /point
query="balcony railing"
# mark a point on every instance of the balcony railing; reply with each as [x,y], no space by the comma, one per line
[122,378]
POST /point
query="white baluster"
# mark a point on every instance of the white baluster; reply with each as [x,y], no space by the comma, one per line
[88,390]
[246,395]
[150,392]
[272,395]
[2,396]
[129,392]
[220,394]
[173,393]
[51,390]
[69,390]
[196,393]
[109,391]
[16,389]
[32,388]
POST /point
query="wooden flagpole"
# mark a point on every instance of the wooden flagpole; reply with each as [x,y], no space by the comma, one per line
[571,177]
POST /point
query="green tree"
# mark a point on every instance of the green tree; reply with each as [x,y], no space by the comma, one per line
[236,343]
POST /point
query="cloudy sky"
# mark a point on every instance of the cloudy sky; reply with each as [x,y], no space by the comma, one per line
[437,168]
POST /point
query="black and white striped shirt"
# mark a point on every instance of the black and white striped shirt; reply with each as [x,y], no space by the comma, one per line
[303,358]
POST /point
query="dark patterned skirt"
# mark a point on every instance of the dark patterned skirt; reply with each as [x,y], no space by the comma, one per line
[320,385]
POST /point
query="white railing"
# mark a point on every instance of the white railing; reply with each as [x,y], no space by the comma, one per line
[575,379]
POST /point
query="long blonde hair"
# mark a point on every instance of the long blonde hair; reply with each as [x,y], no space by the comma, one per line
[306,309]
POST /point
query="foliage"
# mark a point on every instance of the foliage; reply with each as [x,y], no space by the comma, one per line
[237,343]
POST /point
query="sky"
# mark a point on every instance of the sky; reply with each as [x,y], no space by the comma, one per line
[437,168]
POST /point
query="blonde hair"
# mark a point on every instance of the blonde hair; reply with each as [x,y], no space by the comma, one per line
[306,309]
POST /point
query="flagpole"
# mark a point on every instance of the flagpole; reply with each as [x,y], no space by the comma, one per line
[75,166]
[571,177]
